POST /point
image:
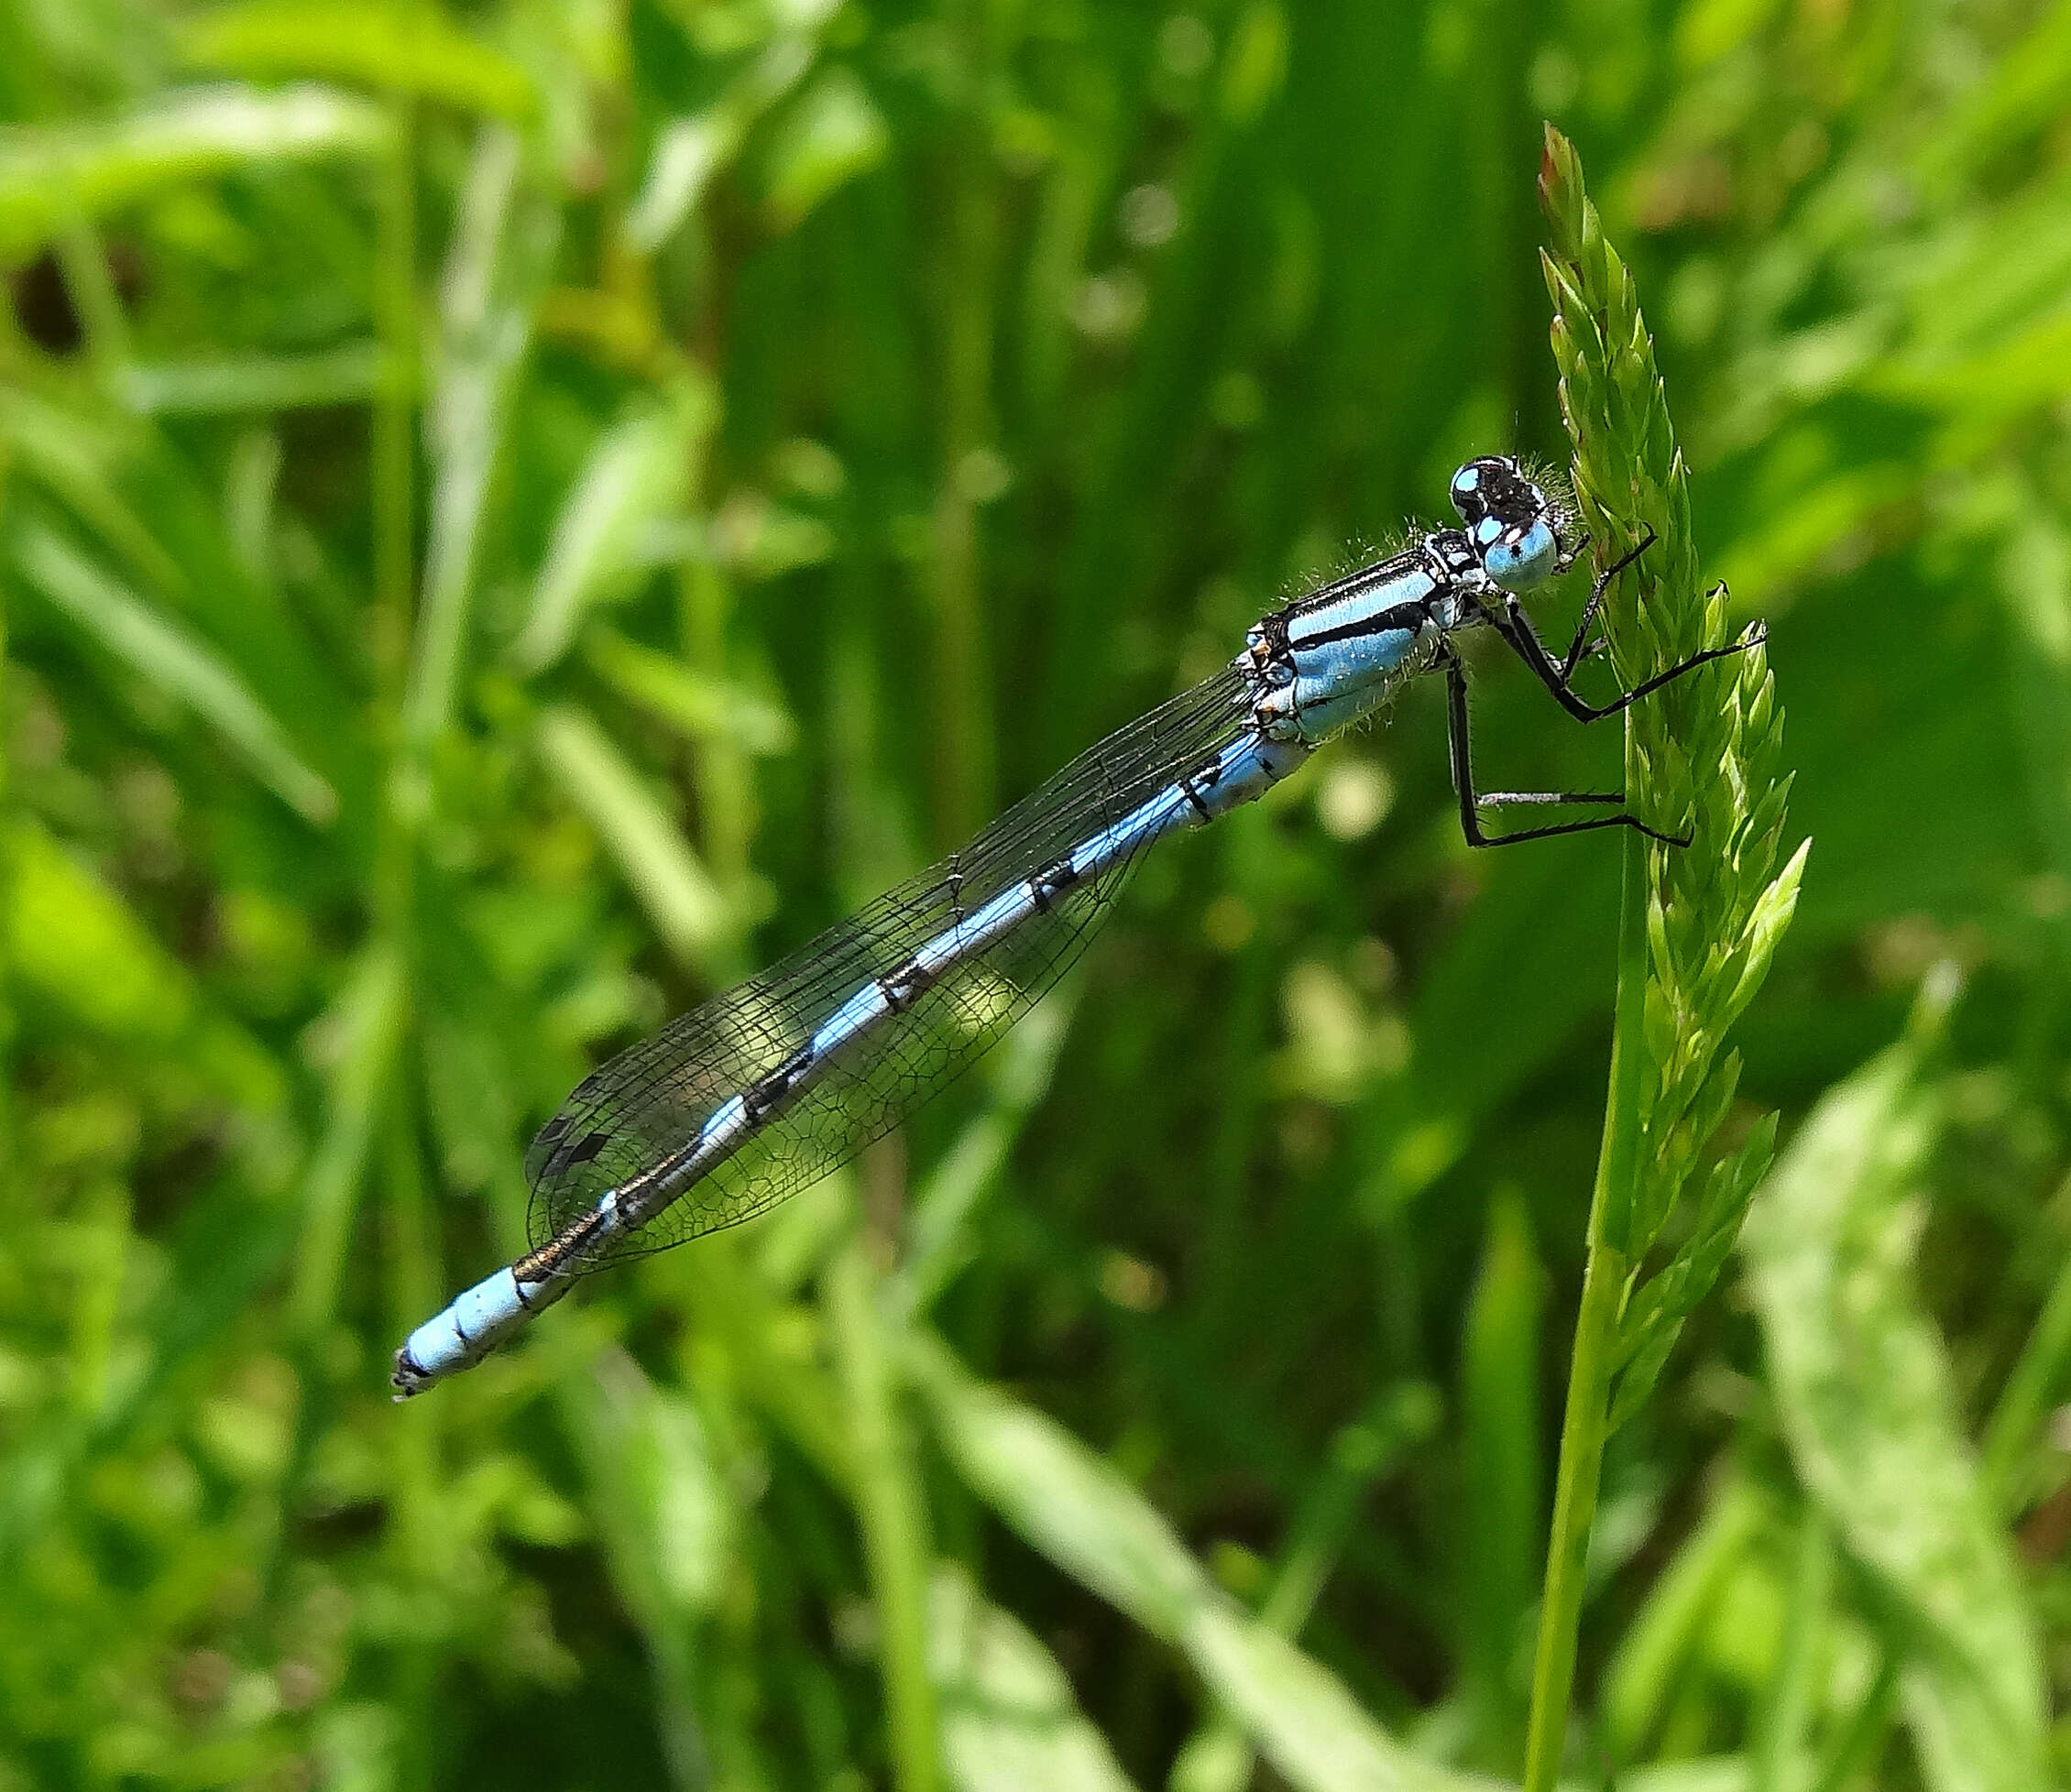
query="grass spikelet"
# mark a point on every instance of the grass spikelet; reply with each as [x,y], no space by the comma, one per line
[1700,923]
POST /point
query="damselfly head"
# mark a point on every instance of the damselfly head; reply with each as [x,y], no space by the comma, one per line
[1515,522]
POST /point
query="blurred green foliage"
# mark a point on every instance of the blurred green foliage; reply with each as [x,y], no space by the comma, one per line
[514,516]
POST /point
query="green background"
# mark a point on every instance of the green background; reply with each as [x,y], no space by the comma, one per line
[512,517]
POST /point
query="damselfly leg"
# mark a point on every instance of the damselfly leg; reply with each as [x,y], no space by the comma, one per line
[1458,735]
[1514,627]
[1516,630]
[1577,652]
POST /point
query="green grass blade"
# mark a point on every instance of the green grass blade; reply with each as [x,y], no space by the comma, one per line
[637,475]
[1077,1510]
[74,942]
[1865,1395]
[367,1031]
[167,657]
[1784,1721]
[389,49]
[892,1512]
[686,908]
[688,699]
[690,151]
[1009,1719]
[495,272]
[46,175]
[831,134]
[349,374]
[1651,1660]
[1219,1757]
[1501,1508]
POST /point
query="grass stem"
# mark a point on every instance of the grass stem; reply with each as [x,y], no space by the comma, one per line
[1584,1427]
[892,1513]
[1583,1432]
[395,310]
[1697,924]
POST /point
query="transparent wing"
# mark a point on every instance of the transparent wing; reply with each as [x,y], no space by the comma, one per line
[645,1104]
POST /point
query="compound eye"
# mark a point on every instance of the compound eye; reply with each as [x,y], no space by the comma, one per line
[1475,485]
[1521,558]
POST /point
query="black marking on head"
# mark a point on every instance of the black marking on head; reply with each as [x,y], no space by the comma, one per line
[1502,491]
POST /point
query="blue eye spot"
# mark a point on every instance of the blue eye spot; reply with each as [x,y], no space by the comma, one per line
[1489,529]
[1524,560]
[1466,482]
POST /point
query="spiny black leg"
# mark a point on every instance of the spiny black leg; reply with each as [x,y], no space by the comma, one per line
[1504,799]
[1516,629]
[1457,739]
[1575,655]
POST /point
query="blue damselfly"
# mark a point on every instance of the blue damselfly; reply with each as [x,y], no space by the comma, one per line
[768,1087]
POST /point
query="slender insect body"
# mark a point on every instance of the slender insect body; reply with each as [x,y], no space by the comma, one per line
[765,1088]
